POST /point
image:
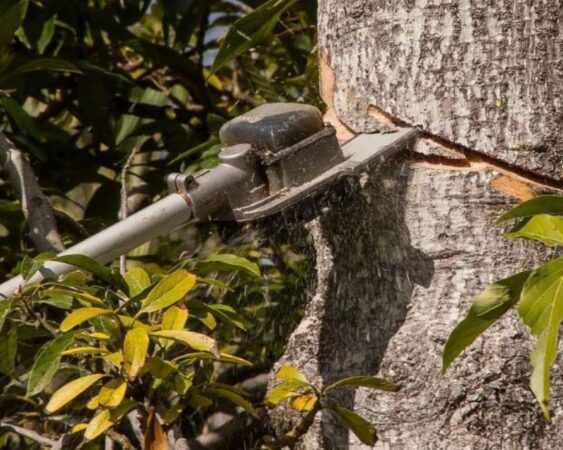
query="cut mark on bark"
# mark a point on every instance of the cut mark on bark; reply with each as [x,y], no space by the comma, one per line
[513,188]
[472,160]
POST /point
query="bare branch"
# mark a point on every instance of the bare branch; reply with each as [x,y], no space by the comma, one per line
[35,205]
[30,434]
[124,207]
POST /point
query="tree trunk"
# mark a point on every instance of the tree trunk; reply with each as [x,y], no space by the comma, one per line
[402,252]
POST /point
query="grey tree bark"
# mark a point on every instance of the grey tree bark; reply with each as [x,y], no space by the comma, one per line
[402,252]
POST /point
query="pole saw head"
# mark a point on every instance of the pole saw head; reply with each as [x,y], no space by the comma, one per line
[276,156]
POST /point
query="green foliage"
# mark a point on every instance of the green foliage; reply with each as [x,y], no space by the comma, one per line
[306,398]
[137,352]
[536,294]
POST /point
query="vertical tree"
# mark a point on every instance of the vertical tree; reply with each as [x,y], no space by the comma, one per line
[402,253]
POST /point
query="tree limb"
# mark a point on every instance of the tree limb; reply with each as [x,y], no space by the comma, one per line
[30,434]
[35,205]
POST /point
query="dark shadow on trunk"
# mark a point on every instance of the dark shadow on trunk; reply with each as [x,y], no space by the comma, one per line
[374,273]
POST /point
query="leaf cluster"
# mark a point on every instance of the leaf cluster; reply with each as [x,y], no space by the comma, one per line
[536,294]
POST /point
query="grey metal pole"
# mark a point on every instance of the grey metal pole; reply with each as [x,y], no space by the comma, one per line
[155,220]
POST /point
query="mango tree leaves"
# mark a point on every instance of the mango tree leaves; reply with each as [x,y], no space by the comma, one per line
[47,363]
[290,373]
[225,262]
[112,393]
[174,318]
[137,280]
[8,351]
[80,315]
[169,290]
[70,391]
[135,348]
[364,430]
[232,396]
[92,266]
[542,227]
[487,308]
[305,402]
[543,204]
[197,341]
[284,391]
[249,30]
[107,418]
[155,438]
[49,64]
[12,14]
[541,308]
[365,381]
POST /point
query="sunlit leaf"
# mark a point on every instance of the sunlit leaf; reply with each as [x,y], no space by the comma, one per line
[542,227]
[284,391]
[84,351]
[81,315]
[249,30]
[107,418]
[304,402]
[169,290]
[543,204]
[486,309]
[135,349]
[137,280]
[174,318]
[364,430]
[83,296]
[365,381]
[197,341]
[112,393]
[47,363]
[290,373]
[541,308]
[70,391]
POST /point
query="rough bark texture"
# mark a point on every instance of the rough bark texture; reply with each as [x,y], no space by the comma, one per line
[402,252]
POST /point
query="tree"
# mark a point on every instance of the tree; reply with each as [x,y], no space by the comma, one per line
[402,252]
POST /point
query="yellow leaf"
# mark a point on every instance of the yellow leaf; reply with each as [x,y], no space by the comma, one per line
[70,391]
[78,427]
[304,402]
[84,351]
[93,403]
[169,290]
[135,347]
[130,322]
[81,315]
[115,358]
[290,373]
[101,336]
[137,280]
[107,418]
[112,393]
[174,318]
[197,341]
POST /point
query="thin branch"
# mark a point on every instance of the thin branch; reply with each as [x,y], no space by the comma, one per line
[124,208]
[35,205]
[30,434]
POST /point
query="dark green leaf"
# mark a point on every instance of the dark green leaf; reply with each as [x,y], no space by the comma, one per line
[8,351]
[365,381]
[12,14]
[544,204]
[47,363]
[225,262]
[486,309]
[250,30]
[5,308]
[48,64]
[364,430]
[234,397]
[92,266]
